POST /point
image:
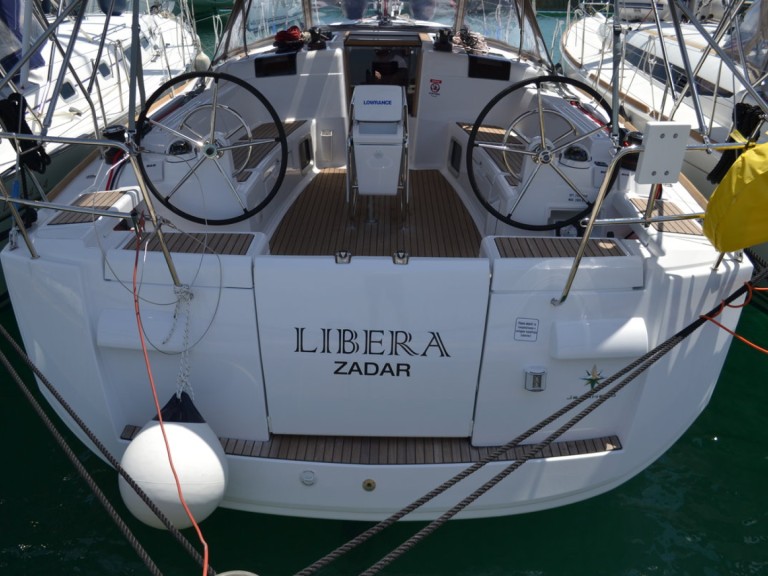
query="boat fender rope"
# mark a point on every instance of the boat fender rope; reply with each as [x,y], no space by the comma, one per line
[151,378]
[183,299]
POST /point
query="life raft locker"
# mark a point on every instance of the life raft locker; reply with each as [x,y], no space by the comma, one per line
[737,214]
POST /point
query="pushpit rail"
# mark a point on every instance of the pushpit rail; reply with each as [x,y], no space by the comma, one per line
[592,221]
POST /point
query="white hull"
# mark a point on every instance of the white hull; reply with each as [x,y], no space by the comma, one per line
[365,363]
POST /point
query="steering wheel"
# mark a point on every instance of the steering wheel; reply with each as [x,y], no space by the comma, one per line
[526,137]
[196,152]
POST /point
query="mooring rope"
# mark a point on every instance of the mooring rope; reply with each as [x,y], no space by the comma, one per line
[186,544]
[633,370]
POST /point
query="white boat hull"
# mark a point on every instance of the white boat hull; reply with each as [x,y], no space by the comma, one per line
[352,358]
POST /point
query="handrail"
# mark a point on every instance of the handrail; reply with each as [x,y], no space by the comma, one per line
[592,221]
[643,220]
[129,153]
[37,204]
[592,218]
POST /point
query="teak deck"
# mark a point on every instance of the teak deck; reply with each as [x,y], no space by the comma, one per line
[320,222]
[392,451]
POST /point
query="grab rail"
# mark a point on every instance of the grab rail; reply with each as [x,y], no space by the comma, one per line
[592,221]
[592,218]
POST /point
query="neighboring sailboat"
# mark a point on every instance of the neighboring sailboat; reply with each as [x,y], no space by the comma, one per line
[652,83]
[41,95]
[369,289]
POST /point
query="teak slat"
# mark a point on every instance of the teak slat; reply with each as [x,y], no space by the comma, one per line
[533,247]
[392,451]
[668,208]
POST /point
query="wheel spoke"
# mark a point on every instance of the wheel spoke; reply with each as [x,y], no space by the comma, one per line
[541,113]
[523,190]
[184,178]
[248,144]
[178,134]
[197,134]
[212,134]
[568,181]
[563,135]
[228,180]
[577,139]
[504,148]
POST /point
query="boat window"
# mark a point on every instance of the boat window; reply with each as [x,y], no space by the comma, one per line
[254,22]
[67,90]
[500,20]
[435,11]
[11,32]
[104,69]
[103,6]
[381,65]
[752,40]
[275,65]
[489,67]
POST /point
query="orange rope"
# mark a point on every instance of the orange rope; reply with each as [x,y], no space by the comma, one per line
[751,289]
[139,230]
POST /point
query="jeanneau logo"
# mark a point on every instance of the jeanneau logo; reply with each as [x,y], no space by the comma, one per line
[377,102]
[370,342]
[593,379]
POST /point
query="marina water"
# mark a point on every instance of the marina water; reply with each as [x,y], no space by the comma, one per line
[700,510]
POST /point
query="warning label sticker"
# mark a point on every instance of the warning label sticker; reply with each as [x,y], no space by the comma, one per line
[526,329]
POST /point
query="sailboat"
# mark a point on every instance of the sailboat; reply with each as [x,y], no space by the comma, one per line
[64,71]
[377,255]
[652,82]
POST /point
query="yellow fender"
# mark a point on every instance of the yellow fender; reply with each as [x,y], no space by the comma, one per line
[737,213]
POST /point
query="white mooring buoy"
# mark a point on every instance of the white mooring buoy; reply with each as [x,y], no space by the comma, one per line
[200,464]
